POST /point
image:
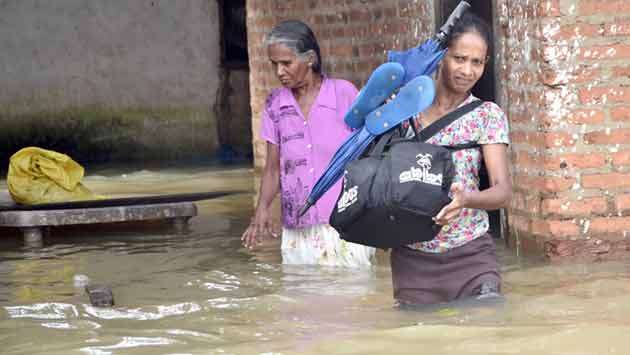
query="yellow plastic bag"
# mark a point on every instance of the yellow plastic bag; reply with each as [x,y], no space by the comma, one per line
[42,176]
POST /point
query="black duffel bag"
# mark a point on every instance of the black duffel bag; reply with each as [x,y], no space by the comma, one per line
[391,194]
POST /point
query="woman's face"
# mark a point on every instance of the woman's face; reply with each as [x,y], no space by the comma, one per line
[290,69]
[464,62]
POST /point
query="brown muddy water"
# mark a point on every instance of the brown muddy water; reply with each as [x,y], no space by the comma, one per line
[202,293]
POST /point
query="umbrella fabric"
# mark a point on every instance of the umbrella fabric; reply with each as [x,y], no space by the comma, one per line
[421,60]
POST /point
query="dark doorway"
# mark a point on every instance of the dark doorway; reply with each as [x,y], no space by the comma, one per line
[485,88]
[232,107]
[234,33]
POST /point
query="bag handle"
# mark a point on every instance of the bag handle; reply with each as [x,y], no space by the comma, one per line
[447,119]
[382,142]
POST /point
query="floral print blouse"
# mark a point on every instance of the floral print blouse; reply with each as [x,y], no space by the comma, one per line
[487,124]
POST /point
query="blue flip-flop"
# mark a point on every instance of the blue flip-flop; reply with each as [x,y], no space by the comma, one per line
[416,96]
[383,81]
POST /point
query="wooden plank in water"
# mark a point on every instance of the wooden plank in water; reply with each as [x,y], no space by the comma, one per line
[7,204]
[178,208]
[60,217]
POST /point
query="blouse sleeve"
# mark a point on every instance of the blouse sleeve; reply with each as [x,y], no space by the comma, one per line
[268,125]
[346,92]
[494,125]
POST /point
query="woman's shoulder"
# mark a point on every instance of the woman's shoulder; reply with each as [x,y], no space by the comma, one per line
[492,107]
[343,85]
[487,110]
[274,97]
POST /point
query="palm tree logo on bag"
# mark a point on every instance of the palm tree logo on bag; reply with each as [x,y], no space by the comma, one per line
[349,197]
[421,173]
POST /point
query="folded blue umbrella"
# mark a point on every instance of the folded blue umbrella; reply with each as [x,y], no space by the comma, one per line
[421,60]
[416,62]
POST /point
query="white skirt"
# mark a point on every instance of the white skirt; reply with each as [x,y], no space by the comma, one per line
[321,245]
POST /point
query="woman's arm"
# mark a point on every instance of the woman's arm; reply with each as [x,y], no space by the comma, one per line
[498,195]
[261,224]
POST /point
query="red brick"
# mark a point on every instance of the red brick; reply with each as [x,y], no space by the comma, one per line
[575,31]
[576,161]
[341,50]
[585,116]
[520,223]
[621,158]
[595,7]
[520,117]
[617,29]
[390,12]
[609,136]
[533,139]
[620,113]
[359,15]
[558,139]
[518,201]
[549,8]
[555,229]
[548,140]
[532,205]
[622,203]
[615,51]
[621,72]
[553,184]
[577,75]
[607,225]
[606,180]
[552,53]
[527,160]
[600,95]
[530,245]
[571,208]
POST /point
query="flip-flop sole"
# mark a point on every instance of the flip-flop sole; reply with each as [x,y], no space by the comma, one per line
[413,98]
[381,84]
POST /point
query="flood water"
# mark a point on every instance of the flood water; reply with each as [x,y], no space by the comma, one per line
[202,293]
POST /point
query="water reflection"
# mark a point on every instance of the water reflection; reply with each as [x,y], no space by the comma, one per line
[202,293]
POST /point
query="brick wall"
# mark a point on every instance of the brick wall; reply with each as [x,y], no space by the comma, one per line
[566,75]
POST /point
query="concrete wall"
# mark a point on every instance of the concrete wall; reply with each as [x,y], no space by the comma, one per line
[110,80]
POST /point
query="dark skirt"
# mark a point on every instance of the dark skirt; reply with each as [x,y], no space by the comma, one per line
[427,278]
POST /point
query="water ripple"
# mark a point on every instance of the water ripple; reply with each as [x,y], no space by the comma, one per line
[128,342]
[138,314]
[43,311]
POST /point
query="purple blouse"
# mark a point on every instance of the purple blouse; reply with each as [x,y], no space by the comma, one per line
[306,146]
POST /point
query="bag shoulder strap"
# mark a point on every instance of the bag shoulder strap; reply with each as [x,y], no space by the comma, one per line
[447,119]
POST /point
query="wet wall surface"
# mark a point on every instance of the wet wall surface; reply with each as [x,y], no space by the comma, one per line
[110,81]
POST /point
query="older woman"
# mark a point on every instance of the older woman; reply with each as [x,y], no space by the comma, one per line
[303,125]
[460,261]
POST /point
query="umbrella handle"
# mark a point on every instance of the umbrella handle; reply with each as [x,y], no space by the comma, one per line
[445,30]
[308,204]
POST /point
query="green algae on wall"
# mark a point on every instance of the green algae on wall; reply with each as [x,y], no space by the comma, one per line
[100,134]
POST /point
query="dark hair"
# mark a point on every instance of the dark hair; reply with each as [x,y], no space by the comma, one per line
[298,37]
[470,22]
